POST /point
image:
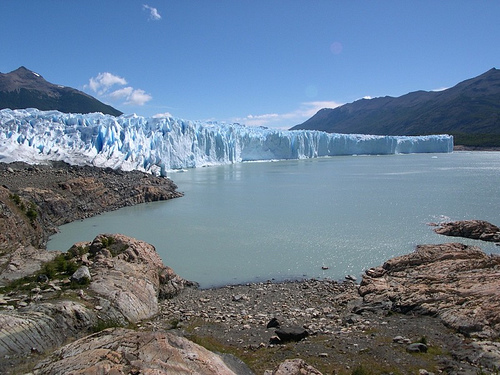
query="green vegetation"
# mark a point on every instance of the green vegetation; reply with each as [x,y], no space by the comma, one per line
[61,267]
[476,140]
[423,340]
[31,212]
[107,241]
[77,251]
[16,199]
[102,324]
[361,370]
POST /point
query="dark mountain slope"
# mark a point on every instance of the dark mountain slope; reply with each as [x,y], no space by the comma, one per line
[23,88]
[470,111]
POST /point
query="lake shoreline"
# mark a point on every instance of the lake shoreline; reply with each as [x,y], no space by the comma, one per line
[343,331]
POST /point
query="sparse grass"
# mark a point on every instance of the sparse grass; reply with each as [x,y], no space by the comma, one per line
[107,241]
[61,267]
[16,199]
[103,324]
[361,370]
[76,251]
[30,212]
[423,340]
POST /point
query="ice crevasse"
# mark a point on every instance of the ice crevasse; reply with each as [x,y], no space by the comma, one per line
[158,145]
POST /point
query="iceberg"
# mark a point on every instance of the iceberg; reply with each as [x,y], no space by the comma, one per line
[158,145]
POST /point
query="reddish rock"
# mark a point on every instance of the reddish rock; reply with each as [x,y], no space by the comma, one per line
[460,284]
[475,229]
[124,351]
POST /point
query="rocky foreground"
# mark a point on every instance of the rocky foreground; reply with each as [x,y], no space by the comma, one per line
[110,306]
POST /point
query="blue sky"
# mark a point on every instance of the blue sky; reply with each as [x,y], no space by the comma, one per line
[260,62]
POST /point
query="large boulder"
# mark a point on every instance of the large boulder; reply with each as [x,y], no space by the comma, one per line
[125,351]
[128,280]
[130,276]
[475,229]
[460,284]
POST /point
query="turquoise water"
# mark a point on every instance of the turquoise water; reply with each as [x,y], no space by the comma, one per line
[289,219]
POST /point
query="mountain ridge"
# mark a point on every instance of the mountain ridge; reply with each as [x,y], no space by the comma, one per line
[470,111]
[23,88]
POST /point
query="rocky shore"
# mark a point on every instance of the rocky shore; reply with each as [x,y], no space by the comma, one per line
[110,305]
[36,199]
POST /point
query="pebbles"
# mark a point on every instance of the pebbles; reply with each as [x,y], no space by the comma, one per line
[337,329]
[312,304]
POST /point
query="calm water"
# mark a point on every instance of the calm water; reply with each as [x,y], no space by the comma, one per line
[286,220]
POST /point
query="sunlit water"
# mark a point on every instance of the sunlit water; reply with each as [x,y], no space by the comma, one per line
[290,219]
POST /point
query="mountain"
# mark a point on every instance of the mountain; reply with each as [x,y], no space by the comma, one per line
[470,111]
[23,88]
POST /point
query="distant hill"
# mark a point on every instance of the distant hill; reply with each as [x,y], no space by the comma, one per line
[470,111]
[23,88]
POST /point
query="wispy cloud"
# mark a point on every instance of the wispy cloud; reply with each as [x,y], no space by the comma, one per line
[153,12]
[287,120]
[163,115]
[138,97]
[104,85]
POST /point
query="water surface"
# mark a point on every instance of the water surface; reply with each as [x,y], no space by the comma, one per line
[289,219]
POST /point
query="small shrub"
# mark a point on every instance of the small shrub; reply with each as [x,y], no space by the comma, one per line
[15,198]
[107,241]
[174,323]
[59,266]
[423,340]
[102,324]
[31,213]
[76,251]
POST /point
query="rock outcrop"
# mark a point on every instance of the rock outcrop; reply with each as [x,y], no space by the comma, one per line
[460,284]
[129,277]
[127,280]
[124,351]
[475,229]
[35,200]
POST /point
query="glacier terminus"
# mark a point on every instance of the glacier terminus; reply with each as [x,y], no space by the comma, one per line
[158,145]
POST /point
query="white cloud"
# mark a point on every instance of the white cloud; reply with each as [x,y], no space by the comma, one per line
[286,120]
[103,83]
[163,115]
[138,97]
[153,12]
[121,93]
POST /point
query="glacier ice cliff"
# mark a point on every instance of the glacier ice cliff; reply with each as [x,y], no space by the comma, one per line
[161,144]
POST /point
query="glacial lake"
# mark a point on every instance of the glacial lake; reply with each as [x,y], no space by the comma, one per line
[283,220]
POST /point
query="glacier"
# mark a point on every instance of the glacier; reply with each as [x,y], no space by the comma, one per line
[158,145]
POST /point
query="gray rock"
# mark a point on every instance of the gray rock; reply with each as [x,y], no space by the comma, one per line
[291,333]
[417,347]
[81,275]
[237,297]
[273,323]
[401,340]
[293,367]
[351,278]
